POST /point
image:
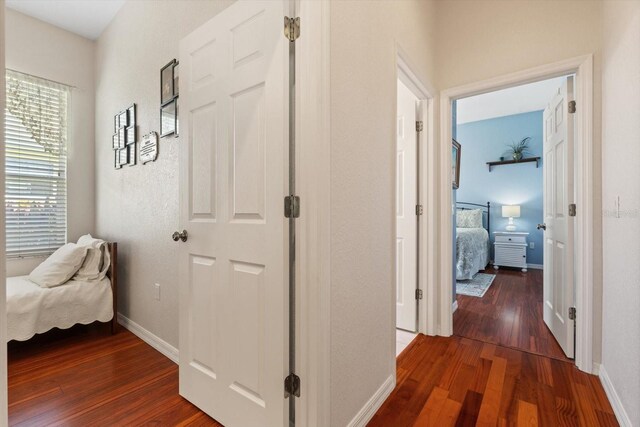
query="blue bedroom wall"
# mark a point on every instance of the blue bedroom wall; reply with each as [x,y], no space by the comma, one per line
[517,184]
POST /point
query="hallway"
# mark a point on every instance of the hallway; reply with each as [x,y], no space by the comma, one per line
[463,382]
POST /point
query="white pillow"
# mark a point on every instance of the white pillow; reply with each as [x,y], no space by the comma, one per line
[59,267]
[97,261]
[469,218]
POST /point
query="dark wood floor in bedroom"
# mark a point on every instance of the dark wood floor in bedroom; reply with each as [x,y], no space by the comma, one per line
[509,314]
[87,377]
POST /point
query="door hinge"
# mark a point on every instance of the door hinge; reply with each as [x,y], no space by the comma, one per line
[419,126]
[418,293]
[419,210]
[292,385]
[291,206]
[572,209]
[572,313]
[572,107]
[291,28]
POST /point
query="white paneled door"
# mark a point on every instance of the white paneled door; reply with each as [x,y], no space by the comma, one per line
[558,235]
[406,218]
[233,170]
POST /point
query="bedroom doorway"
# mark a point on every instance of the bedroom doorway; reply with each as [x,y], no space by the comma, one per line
[513,245]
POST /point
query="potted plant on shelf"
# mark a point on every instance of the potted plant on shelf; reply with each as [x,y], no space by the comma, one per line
[519,149]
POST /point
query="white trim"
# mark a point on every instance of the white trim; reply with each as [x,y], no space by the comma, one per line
[583,68]
[370,408]
[153,340]
[313,232]
[427,224]
[454,307]
[535,266]
[614,399]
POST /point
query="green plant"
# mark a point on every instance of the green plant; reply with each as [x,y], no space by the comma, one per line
[519,149]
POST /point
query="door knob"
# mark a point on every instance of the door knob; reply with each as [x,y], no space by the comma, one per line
[542,226]
[180,236]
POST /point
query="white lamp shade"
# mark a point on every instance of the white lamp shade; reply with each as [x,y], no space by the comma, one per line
[512,211]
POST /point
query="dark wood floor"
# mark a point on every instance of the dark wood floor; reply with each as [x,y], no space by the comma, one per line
[458,381]
[509,314]
[86,377]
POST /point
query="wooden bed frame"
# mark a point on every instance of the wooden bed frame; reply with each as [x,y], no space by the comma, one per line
[112,274]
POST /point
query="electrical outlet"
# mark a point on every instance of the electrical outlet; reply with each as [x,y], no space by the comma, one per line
[156,291]
[532,245]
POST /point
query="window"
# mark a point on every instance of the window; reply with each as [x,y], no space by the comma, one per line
[35,165]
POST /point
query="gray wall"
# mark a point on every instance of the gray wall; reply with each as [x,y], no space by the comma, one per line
[364,38]
[138,206]
[620,151]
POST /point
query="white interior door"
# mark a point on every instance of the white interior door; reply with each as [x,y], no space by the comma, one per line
[406,218]
[233,173]
[558,236]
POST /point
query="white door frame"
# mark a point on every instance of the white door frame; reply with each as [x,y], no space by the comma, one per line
[583,69]
[4,420]
[313,181]
[427,167]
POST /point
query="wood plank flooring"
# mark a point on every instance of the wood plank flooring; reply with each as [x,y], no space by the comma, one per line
[85,376]
[458,381]
[509,314]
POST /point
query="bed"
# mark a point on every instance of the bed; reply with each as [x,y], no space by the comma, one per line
[472,238]
[32,309]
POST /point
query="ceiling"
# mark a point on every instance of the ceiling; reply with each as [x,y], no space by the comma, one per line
[87,18]
[506,102]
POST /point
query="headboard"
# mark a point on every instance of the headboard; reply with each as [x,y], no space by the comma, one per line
[486,210]
[112,274]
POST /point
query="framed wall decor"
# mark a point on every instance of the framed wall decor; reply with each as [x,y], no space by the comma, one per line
[168,119]
[149,148]
[169,91]
[131,154]
[176,79]
[167,87]
[122,137]
[123,140]
[456,150]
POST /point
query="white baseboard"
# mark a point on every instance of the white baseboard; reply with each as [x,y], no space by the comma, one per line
[371,407]
[535,266]
[153,340]
[614,399]
[455,307]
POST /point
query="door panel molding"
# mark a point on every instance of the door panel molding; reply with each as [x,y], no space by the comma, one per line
[582,67]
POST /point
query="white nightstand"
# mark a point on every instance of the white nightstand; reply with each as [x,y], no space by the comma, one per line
[510,249]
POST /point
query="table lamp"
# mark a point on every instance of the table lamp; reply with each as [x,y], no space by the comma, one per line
[511,211]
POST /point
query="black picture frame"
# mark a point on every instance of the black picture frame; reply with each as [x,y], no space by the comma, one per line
[168,119]
[176,79]
[456,152]
[122,137]
[131,154]
[123,120]
[131,135]
[167,90]
[131,115]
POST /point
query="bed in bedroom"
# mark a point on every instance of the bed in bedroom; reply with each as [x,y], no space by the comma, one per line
[472,238]
[84,298]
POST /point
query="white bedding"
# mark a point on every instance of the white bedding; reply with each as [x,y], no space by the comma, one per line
[472,251]
[33,310]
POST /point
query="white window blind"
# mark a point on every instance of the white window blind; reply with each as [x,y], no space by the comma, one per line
[35,165]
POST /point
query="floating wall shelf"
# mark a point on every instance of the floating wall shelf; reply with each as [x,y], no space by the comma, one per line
[511,162]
